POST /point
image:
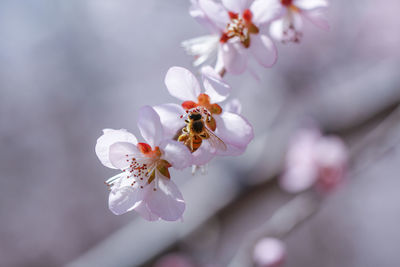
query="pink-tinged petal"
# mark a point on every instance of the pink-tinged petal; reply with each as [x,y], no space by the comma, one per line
[118,154]
[233,106]
[264,11]
[263,50]
[176,154]
[203,155]
[219,64]
[150,126]
[318,18]
[234,129]
[331,152]
[231,150]
[170,118]
[234,57]
[182,84]
[146,213]
[310,4]
[269,252]
[124,199]
[215,87]
[108,138]
[299,177]
[237,6]
[216,12]
[166,201]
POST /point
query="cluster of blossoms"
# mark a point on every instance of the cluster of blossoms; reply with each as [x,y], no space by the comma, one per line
[203,124]
[239,29]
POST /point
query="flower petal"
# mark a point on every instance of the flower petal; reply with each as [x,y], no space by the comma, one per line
[310,4]
[146,213]
[233,106]
[202,48]
[269,252]
[264,11]
[215,87]
[166,201]
[234,129]
[176,154]
[124,199]
[118,154]
[182,84]
[108,138]
[150,126]
[234,57]
[170,118]
[299,177]
[237,6]
[216,12]
[318,18]
[203,155]
[263,50]
[200,16]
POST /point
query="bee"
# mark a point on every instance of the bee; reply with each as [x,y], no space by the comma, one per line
[197,129]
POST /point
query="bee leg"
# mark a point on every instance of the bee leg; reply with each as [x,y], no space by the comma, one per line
[204,135]
[187,121]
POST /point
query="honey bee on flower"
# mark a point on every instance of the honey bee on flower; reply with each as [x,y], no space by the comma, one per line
[209,130]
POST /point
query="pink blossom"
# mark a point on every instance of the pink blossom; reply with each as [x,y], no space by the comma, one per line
[313,159]
[287,26]
[145,184]
[233,129]
[269,252]
[236,33]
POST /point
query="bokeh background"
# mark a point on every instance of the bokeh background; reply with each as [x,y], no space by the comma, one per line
[68,69]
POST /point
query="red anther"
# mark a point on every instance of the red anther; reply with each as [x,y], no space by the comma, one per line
[224,38]
[286,2]
[233,15]
[188,105]
[247,15]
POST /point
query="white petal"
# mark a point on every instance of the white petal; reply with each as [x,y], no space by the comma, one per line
[203,155]
[182,84]
[200,16]
[215,87]
[233,106]
[150,126]
[146,213]
[167,201]
[234,129]
[237,6]
[263,50]
[216,12]
[276,29]
[310,4]
[108,138]
[118,152]
[235,57]
[202,48]
[264,11]
[318,18]
[170,118]
[124,199]
[177,154]
[231,150]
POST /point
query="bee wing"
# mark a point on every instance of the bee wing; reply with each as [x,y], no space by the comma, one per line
[215,141]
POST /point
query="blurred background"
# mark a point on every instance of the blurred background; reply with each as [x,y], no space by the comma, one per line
[68,69]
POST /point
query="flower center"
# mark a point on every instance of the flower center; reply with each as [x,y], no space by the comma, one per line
[286,2]
[240,26]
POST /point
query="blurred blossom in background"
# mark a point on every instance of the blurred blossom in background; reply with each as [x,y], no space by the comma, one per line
[72,68]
